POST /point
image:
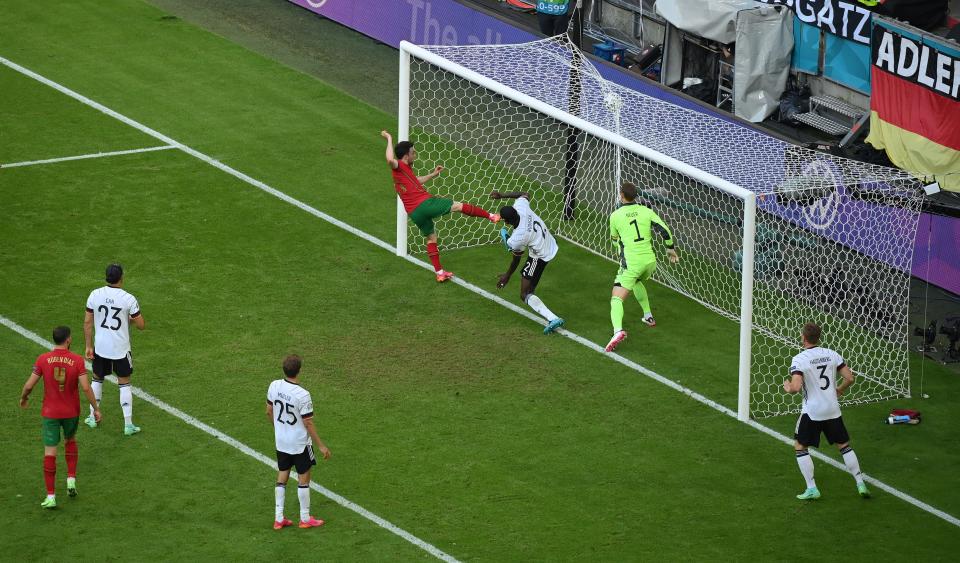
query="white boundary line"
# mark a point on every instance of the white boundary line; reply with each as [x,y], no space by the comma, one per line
[482,292]
[85,156]
[269,462]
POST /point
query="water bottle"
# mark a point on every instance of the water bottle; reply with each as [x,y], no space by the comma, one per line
[900,419]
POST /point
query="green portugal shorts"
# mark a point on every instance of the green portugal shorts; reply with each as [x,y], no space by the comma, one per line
[429,210]
[628,277]
[52,426]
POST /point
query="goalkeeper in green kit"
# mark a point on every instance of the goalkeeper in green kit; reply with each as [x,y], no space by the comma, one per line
[632,226]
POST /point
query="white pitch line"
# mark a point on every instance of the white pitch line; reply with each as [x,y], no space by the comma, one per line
[482,292]
[85,156]
[233,442]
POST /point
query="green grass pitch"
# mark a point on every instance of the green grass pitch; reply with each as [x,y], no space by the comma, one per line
[447,414]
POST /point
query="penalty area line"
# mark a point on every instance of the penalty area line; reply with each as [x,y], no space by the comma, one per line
[471,287]
[233,442]
[85,156]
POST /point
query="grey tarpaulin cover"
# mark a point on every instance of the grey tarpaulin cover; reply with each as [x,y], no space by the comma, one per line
[713,19]
[762,60]
[764,44]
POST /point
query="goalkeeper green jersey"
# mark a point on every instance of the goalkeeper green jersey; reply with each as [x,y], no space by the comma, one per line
[632,226]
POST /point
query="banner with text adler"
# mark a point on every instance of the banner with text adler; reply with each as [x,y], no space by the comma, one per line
[915,104]
[848,19]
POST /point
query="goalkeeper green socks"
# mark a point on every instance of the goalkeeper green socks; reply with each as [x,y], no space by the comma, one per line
[641,292]
[616,314]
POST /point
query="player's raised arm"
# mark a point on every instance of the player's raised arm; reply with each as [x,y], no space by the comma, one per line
[391,159]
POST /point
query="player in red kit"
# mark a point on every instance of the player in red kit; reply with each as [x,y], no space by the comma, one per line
[423,208]
[61,370]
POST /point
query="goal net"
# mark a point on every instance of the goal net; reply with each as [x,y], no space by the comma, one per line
[770,235]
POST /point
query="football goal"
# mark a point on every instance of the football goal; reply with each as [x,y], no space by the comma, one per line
[770,235]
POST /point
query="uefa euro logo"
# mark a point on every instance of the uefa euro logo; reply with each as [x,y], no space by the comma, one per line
[822,212]
[316,3]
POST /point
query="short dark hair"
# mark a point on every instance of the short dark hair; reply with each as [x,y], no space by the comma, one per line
[402,148]
[114,273]
[811,333]
[61,334]
[510,216]
[291,365]
[629,191]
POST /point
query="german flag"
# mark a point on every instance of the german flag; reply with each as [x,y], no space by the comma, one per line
[914,105]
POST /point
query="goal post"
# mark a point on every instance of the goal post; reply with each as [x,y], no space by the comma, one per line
[771,235]
[403,133]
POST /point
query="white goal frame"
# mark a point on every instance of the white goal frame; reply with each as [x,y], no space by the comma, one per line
[747,197]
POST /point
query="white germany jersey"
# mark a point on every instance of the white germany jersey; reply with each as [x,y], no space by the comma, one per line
[531,235]
[112,310]
[819,367]
[291,404]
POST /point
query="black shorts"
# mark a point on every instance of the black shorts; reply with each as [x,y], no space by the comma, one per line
[103,367]
[808,431]
[532,270]
[302,461]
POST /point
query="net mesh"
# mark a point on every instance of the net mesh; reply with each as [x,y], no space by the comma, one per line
[834,237]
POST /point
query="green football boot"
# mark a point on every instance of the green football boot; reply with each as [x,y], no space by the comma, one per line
[863,490]
[49,502]
[812,493]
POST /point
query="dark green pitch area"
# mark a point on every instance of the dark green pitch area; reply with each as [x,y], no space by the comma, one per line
[447,414]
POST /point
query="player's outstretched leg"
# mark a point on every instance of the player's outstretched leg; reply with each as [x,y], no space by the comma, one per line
[805,462]
[475,211]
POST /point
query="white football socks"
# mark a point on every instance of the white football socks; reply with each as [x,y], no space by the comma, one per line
[303,493]
[126,403]
[97,387]
[806,467]
[537,305]
[852,463]
[279,495]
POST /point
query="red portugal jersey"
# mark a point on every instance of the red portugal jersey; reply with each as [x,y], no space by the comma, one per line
[61,371]
[411,191]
